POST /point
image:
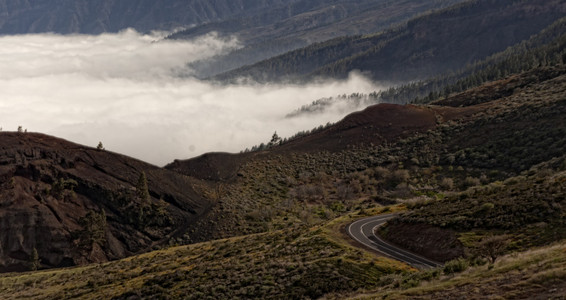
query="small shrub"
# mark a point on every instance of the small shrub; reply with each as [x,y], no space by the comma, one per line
[492,247]
[411,282]
[391,279]
[456,266]
[381,173]
[398,177]
[417,203]
[471,181]
[477,261]
[446,183]
[487,207]
[430,274]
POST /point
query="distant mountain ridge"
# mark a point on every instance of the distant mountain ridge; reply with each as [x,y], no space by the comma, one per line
[265,28]
[279,29]
[426,46]
[92,17]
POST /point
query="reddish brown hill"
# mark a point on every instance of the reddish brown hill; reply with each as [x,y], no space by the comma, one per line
[210,166]
[54,196]
[376,125]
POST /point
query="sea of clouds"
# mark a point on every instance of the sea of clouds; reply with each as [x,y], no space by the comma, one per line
[124,90]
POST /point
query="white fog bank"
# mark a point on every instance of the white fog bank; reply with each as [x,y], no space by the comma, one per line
[121,89]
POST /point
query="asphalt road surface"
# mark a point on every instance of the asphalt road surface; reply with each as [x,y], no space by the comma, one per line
[363,231]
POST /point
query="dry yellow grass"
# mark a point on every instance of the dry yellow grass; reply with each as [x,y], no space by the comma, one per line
[537,273]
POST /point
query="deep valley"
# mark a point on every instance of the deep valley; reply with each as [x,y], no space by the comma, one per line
[464,155]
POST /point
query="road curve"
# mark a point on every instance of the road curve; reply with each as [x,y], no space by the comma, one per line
[363,231]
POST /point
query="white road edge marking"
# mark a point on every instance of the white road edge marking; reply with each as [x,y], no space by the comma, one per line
[368,245]
[372,246]
[402,252]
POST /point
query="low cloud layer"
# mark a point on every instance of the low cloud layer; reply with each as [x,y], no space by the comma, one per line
[123,89]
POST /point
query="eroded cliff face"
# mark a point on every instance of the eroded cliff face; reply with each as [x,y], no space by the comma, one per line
[77,205]
[432,242]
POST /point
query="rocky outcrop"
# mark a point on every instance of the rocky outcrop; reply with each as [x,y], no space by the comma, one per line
[75,204]
[432,242]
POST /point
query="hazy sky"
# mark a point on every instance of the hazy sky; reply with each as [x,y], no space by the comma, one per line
[121,89]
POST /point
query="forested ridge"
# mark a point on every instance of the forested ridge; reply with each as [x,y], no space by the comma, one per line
[547,48]
[425,46]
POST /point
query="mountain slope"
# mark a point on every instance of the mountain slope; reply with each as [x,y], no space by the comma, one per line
[383,152]
[83,16]
[283,28]
[426,46]
[543,49]
[74,204]
[493,168]
[265,28]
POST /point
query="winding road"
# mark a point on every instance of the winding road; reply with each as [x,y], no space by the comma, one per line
[363,231]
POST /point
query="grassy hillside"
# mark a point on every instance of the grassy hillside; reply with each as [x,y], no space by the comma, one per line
[483,186]
[297,262]
[537,273]
[486,174]
[481,173]
[389,152]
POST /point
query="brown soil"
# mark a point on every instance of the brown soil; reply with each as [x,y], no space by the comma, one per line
[432,242]
[31,216]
